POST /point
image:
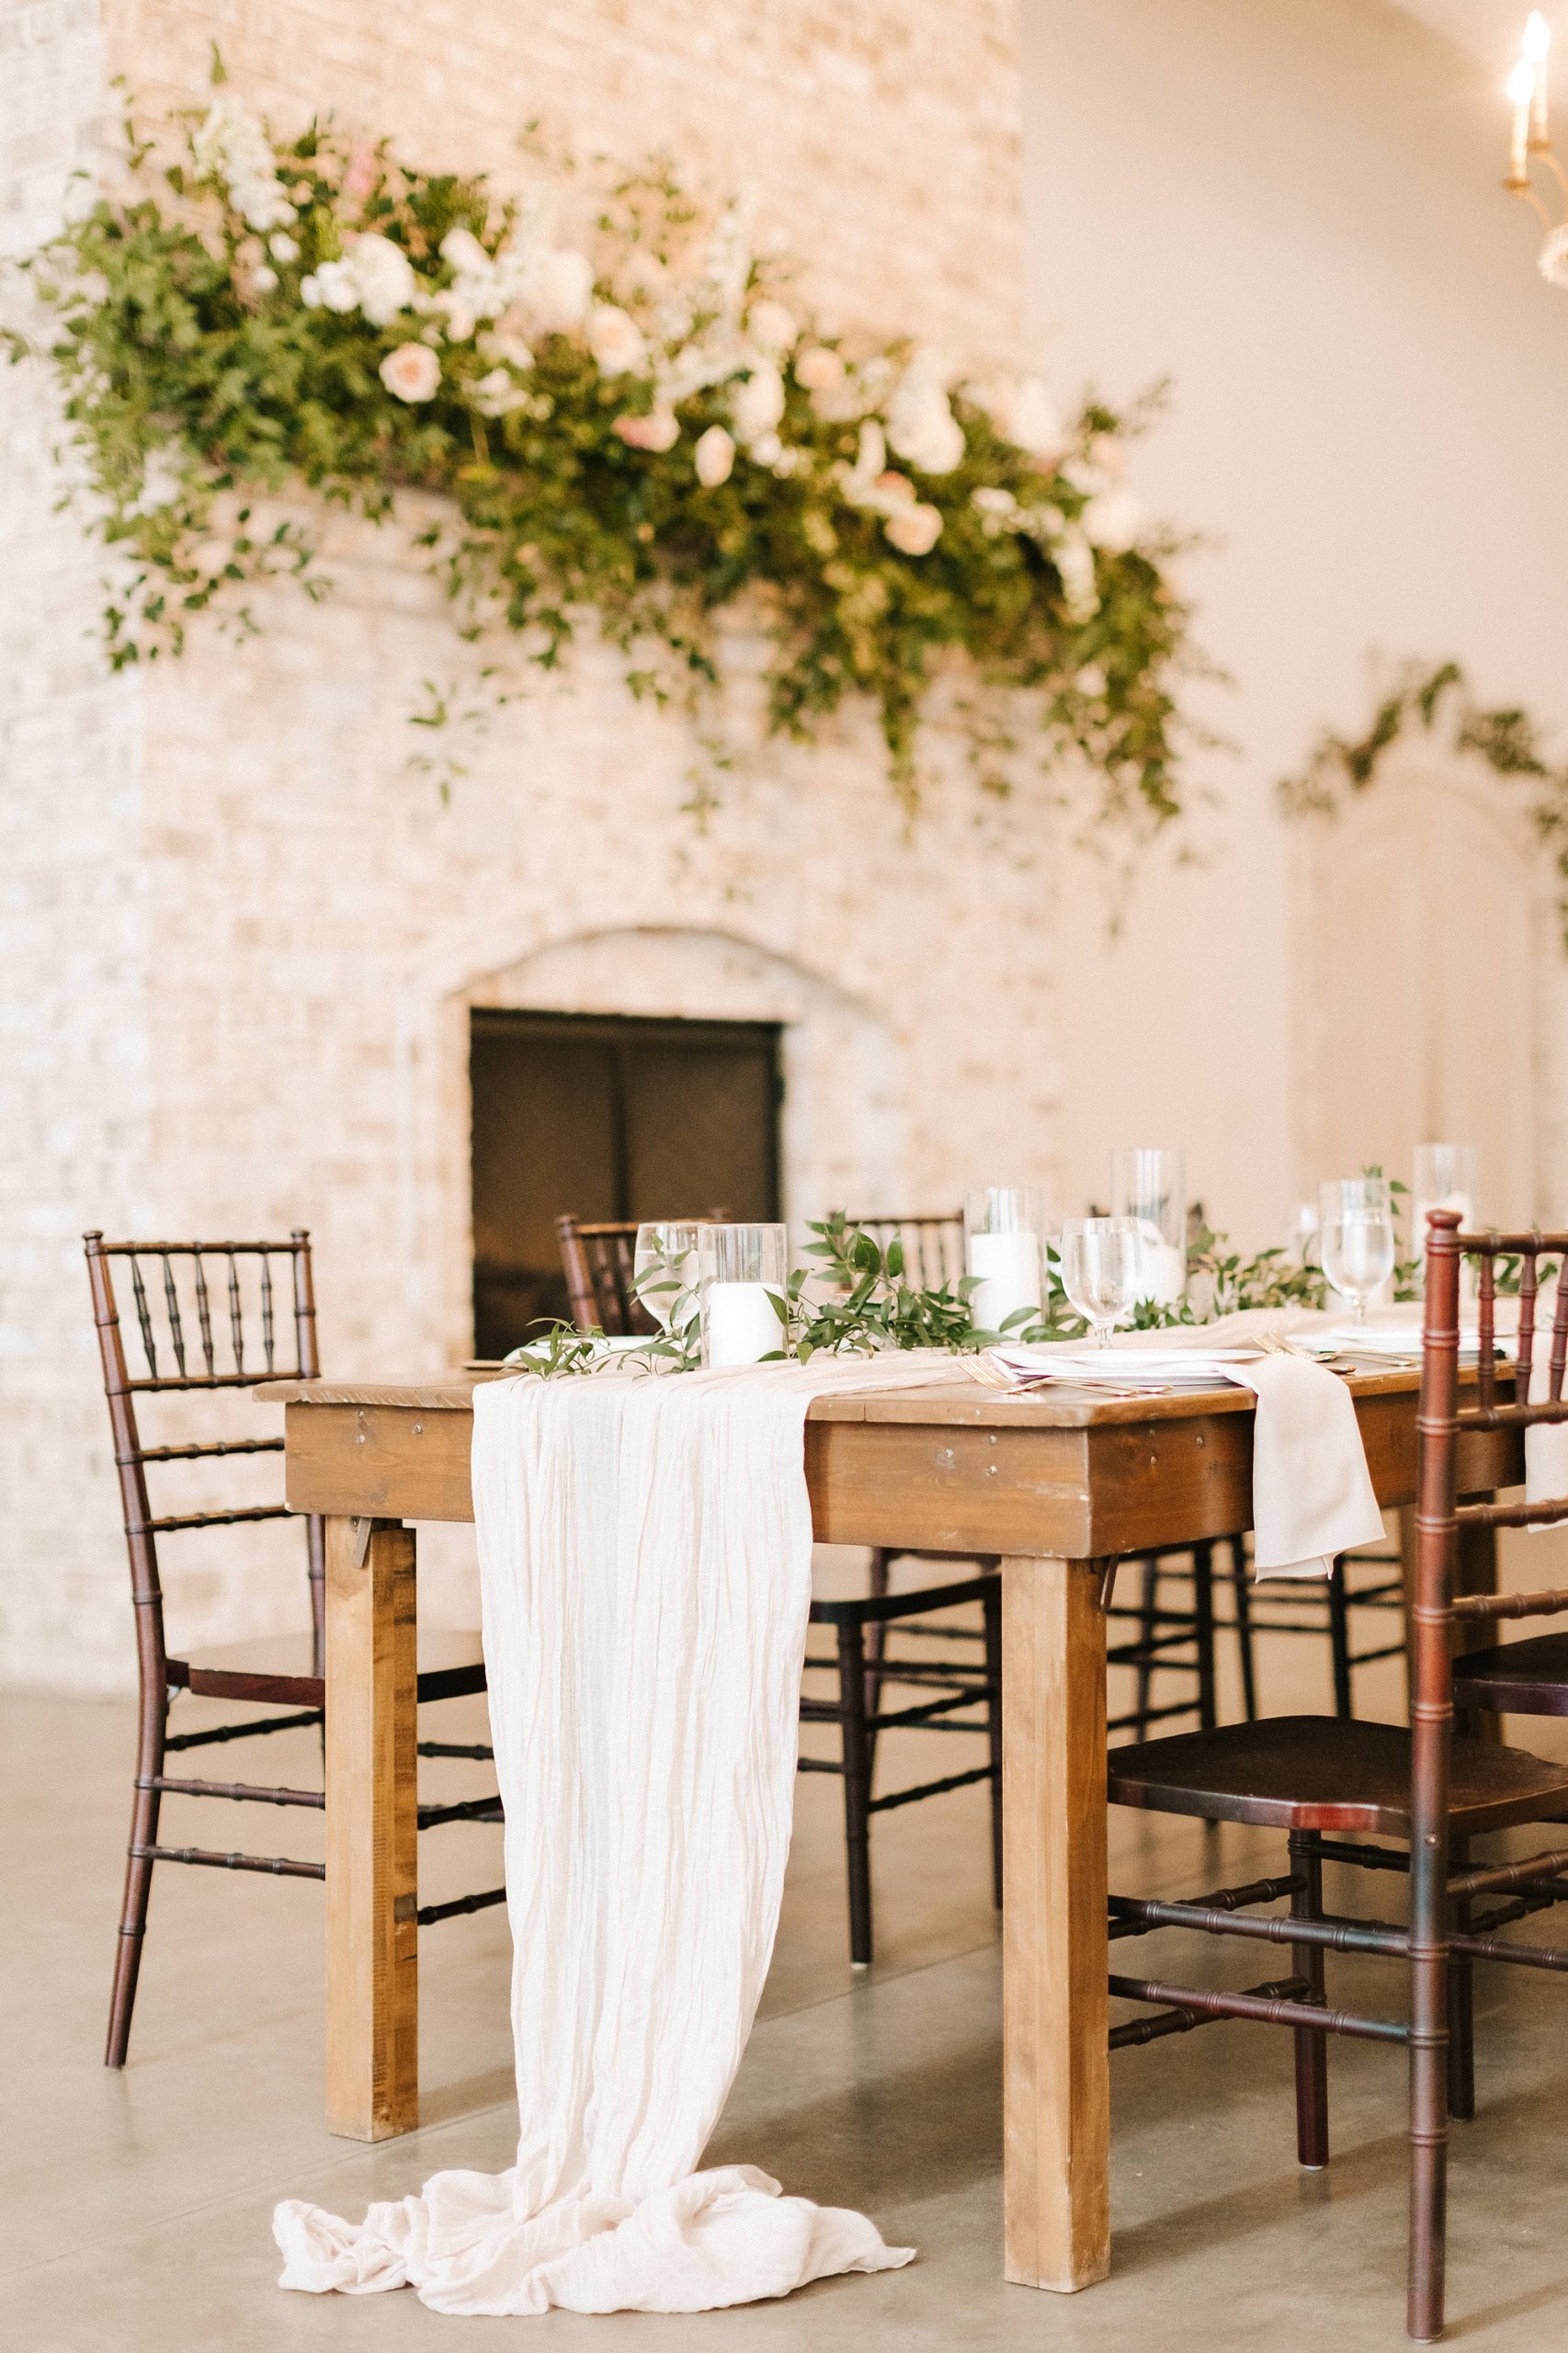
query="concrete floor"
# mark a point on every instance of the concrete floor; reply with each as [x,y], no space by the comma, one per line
[136,2206]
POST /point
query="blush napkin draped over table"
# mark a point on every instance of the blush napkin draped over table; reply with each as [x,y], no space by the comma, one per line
[1311,1493]
[645,1553]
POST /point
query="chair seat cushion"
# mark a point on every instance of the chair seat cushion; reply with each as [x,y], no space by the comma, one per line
[1321,1773]
[1517,1679]
[277,1667]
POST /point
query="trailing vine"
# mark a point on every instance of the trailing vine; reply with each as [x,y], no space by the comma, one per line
[645,426]
[1507,738]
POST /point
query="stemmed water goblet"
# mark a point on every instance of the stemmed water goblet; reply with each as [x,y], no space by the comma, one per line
[664,1272]
[1102,1262]
[1356,1239]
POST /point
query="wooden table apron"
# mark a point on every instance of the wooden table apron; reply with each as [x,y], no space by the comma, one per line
[1055,1485]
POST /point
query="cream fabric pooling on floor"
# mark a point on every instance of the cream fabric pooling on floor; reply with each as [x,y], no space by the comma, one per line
[645,1550]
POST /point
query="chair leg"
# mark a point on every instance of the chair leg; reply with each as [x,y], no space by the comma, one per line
[1241,1587]
[1312,2043]
[1340,1640]
[1148,1602]
[857,1789]
[1461,2007]
[876,1635]
[137,1876]
[1203,1632]
[991,1606]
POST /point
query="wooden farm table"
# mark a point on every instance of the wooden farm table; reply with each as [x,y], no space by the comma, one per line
[1056,1484]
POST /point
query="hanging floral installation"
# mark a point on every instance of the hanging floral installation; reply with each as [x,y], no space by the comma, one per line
[1438,701]
[641,427]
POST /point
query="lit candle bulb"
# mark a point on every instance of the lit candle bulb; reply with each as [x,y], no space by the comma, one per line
[1521,90]
[1533,51]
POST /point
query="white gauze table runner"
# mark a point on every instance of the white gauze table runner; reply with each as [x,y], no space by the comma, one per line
[645,1550]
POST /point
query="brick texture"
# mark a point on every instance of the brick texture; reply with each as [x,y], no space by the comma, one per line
[246,937]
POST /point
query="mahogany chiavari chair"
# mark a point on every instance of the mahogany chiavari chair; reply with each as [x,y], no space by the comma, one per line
[213,1317]
[1430,1787]
[599,1264]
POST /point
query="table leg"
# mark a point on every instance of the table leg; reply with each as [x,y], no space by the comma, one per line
[1056,2068]
[372,1936]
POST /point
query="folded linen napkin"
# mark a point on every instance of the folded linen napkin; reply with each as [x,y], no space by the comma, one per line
[645,1550]
[1311,1493]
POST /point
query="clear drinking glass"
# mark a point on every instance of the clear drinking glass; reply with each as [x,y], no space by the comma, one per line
[1443,1176]
[1004,1247]
[1303,1230]
[665,1272]
[743,1270]
[1357,1239]
[1150,1186]
[1102,1264]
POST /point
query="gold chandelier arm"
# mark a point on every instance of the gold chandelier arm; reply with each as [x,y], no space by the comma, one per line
[1523,189]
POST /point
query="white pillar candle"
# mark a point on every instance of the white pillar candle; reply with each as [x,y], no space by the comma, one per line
[1162,1267]
[744,1324]
[1007,1266]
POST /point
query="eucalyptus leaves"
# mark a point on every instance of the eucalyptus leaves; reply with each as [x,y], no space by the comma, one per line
[855,1299]
[636,426]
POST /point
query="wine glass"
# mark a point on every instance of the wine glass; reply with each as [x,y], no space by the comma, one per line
[1151,1186]
[1356,1239]
[1102,1261]
[664,1271]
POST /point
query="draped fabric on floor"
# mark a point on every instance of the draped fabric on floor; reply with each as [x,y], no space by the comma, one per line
[644,1554]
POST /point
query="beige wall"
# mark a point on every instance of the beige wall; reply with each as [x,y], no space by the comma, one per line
[1293,212]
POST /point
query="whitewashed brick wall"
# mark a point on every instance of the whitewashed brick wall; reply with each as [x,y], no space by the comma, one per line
[248,936]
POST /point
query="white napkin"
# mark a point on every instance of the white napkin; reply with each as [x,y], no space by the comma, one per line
[1311,1493]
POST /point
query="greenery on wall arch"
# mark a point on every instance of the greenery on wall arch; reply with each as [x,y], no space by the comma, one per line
[1438,702]
[641,426]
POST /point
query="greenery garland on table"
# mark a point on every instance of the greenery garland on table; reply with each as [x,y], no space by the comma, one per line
[645,431]
[1507,738]
[855,1300]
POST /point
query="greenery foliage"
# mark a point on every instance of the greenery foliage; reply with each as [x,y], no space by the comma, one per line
[856,1300]
[1507,738]
[640,429]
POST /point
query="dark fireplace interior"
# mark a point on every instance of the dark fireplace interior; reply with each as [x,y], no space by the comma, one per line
[607,1117]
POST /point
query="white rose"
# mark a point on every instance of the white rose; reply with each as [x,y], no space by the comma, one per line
[462,249]
[501,344]
[767,450]
[330,288]
[772,325]
[1114,521]
[818,369]
[458,317]
[714,456]
[1030,420]
[657,432]
[922,426]
[615,340]
[264,279]
[382,277]
[756,404]
[914,530]
[1075,559]
[557,288]
[497,394]
[412,372]
[282,246]
[1553,261]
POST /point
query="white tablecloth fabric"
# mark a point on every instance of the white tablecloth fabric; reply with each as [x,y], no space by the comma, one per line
[645,1552]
